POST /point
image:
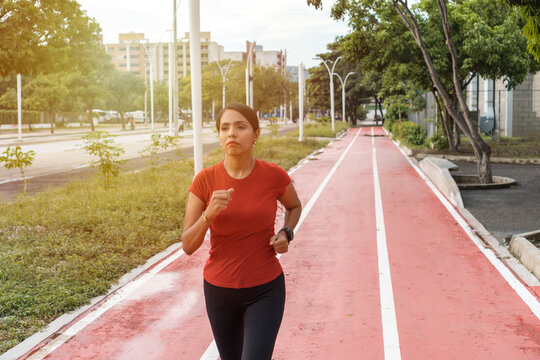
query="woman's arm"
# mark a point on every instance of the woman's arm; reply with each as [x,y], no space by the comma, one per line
[292,214]
[198,219]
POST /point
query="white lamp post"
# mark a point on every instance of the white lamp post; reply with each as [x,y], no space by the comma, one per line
[196,86]
[343,82]
[249,75]
[224,70]
[331,74]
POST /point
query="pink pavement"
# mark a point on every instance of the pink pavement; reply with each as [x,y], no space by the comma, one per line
[450,301]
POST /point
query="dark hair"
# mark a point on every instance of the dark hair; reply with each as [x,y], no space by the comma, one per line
[244,110]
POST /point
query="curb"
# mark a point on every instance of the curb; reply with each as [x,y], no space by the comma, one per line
[526,252]
[438,171]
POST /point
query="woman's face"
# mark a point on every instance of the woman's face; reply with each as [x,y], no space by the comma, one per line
[236,134]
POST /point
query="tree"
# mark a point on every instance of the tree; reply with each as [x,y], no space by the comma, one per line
[448,43]
[124,87]
[530,13]
[43,36]
[46,92]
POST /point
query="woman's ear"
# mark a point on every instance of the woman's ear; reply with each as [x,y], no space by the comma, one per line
[256,135]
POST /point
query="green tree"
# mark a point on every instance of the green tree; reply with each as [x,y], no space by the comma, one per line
[46,92]
[530,13]
[101,144]
[455,42]
[124,88]
[43,36]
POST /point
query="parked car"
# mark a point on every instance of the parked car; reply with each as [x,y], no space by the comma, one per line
[137,116]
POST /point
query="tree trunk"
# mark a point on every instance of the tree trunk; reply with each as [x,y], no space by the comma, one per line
[52,116]
[375,116]
[123,120]
[481,149]
[445,123]
[380,109]
[399,111]
[91,119]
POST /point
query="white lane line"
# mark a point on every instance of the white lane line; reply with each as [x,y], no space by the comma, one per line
[110,302]
[517,285]
[208,354]
[12,180]
[388,311]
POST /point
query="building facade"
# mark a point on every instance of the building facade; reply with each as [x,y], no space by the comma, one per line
[134,53]
[497,110]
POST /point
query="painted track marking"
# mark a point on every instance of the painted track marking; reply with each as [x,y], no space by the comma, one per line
[208,354]
[388,311]
[508,276]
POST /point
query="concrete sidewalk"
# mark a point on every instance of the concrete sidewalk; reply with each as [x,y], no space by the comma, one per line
[382,266]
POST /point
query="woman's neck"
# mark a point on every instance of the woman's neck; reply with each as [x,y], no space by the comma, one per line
[239,167]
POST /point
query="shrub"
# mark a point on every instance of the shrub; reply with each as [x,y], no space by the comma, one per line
[438,141]
[409,132]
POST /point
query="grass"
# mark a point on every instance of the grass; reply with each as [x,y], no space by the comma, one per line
[321,129]
[72,244]
[514,147]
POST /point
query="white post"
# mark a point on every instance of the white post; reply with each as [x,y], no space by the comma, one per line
[152,93]
[174,74]
[171,132]
[247,86]
[301,102]
[290,110]
[19,107]
[509,112]
[196,96]
[251,80]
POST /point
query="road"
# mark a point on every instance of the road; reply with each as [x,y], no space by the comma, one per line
[381,267]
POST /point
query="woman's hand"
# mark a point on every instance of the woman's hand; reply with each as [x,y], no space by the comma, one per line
[280,242]
[218,202]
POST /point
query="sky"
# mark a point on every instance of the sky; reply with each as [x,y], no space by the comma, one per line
[289,25]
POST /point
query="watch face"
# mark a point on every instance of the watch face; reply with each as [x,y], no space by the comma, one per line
[290,233]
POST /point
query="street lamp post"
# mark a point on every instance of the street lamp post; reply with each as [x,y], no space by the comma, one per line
[149,56]
[343,82]
[249,75]
[224,71]
[331,74]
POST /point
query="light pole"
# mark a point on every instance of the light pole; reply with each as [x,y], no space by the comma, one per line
[149,55]
[249,75]
[331,74]
[196,87]
[343,82]
[224,71]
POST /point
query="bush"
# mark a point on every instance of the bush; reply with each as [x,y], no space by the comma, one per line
[409,132]
[392,112]
[11,117]
[438,141]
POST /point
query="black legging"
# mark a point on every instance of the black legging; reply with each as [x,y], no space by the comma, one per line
[245,322]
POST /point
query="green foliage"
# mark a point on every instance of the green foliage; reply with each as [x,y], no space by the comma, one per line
[321,129]
[159,143]
[438,141]
[530,14]
[44,36]
[409,132]
[274,127]
[16,158]
[11,117]
[101,144]
[79,240]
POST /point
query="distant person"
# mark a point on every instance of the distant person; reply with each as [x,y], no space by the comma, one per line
[244,285]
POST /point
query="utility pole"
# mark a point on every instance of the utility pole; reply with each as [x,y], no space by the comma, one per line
[19,107]
[224,72]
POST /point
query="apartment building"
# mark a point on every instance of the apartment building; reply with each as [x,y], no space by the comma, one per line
[134,53]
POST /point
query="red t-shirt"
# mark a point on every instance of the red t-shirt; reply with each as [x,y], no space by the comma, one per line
[240,254]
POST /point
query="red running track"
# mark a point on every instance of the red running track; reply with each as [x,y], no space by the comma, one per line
[380,268]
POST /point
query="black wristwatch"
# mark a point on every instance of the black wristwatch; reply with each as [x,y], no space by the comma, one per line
[289,232]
